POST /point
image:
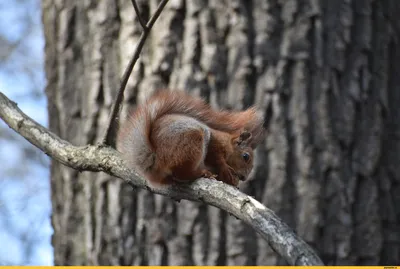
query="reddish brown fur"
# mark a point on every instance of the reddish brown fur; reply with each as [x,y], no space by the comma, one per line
[162,139]
[225,157]
[227,121]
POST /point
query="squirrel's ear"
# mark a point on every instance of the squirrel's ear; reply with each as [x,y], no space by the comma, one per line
[243,138]
[245,135]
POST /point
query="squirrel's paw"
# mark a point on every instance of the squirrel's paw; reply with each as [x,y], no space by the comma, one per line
[208,174]
[227,175]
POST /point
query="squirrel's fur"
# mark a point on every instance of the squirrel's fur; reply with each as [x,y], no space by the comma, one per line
[176,137]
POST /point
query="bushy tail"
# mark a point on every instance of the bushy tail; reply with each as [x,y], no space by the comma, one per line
[134,136]
[178,102]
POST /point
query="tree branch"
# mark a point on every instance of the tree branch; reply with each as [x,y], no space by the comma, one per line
[141,21]
[102,158]
[116,108]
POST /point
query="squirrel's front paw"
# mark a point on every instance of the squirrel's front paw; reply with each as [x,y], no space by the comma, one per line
[208,174]
[228,176]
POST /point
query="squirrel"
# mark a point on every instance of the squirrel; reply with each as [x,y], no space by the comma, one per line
[175,137]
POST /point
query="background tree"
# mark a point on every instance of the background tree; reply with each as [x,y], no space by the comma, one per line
[323,72]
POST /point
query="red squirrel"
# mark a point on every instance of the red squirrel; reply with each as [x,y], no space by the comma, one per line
[175,137]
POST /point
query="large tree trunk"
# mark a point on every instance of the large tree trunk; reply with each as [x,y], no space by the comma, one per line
[323,72]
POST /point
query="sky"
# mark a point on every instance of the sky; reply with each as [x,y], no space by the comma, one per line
[25,207]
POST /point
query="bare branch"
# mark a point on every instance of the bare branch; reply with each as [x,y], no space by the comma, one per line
[115,111]
[142,22]
[102,158]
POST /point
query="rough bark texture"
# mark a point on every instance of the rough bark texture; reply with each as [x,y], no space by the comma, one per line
[324,73]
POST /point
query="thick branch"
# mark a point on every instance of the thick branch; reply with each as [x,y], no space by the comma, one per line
[116,108]
[100,158]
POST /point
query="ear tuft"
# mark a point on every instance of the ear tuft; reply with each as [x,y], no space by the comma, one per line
[245,135]
[244,138]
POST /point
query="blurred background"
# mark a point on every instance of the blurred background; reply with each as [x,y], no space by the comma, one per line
[25,208]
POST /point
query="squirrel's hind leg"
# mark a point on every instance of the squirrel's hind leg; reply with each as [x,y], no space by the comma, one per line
[182,152]
[189,163]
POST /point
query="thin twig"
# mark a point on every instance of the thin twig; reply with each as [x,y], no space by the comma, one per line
[116,108]
[103,158]
[142,22]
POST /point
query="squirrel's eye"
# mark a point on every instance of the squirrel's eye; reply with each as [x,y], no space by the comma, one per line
[246,156]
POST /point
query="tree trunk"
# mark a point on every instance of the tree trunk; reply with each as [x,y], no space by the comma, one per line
[323,72]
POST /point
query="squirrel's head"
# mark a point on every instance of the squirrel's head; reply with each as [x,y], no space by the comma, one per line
[241,160]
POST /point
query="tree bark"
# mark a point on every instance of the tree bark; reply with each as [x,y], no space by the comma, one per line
[323,73]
